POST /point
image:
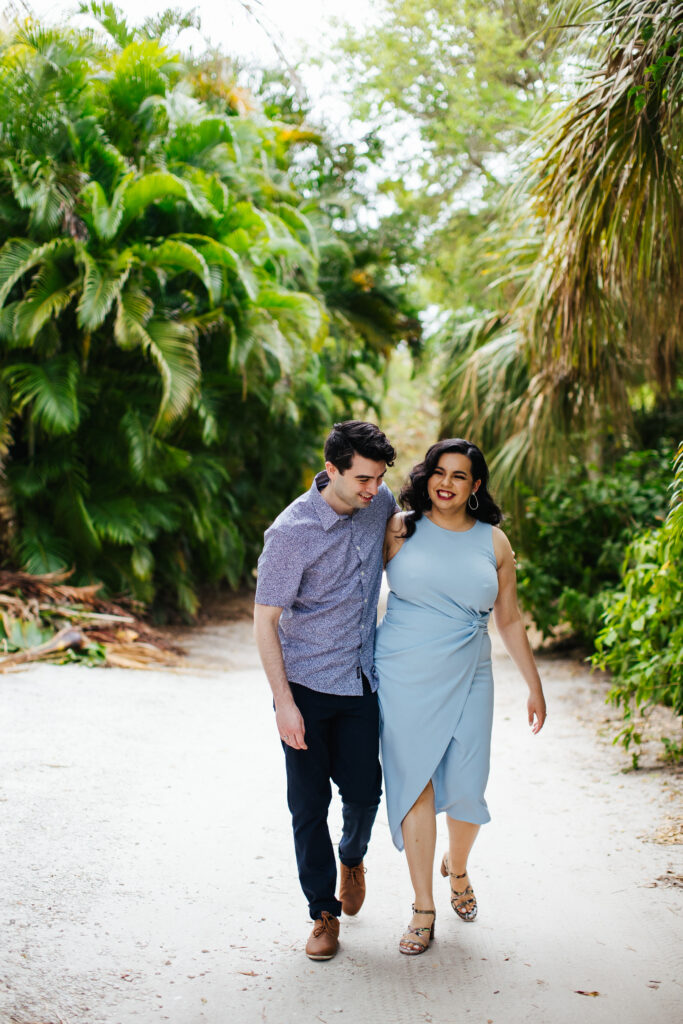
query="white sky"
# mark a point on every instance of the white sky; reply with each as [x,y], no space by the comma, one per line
[294,23]
[300,28]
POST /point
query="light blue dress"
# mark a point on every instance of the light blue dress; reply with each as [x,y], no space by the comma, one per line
[433,656]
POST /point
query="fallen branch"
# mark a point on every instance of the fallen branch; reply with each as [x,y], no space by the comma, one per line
[66,639]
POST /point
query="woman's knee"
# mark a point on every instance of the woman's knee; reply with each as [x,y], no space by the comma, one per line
[425,799]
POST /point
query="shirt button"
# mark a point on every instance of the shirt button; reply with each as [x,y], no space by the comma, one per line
[362,573]
[357,547]
[365,601]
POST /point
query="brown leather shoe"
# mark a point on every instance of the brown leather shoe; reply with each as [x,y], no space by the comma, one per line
[323,941]
[352,888]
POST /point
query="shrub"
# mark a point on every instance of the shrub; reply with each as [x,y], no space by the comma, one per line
[180,321]
[641,642]
[570,538]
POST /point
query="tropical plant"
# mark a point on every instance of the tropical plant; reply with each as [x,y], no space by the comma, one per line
[592,244]
[571,537]
[641,642]
[167,361]
[451,89]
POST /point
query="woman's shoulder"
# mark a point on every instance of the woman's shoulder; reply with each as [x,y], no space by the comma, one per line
[501,544]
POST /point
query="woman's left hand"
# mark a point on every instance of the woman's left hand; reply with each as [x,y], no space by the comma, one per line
[537,712]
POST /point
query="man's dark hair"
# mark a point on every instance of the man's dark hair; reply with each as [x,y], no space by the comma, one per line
[354,436]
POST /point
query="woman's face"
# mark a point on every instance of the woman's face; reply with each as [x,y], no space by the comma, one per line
[451,483]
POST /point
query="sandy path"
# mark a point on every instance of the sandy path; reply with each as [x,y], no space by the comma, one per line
[148,873]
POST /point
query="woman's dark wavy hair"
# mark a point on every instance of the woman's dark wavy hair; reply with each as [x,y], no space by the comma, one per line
[414,495]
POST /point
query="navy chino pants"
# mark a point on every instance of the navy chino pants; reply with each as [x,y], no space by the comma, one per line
[342,736]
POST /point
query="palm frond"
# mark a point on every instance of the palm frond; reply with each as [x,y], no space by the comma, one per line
[220,255]
[608,190]
[106,217]
[102,283]
[50,390]
[155,187]
[175,256]
[19,255]
[50,293]
[170,344]
[41,549]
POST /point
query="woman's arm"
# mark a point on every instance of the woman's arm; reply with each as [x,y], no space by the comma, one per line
[393,537]
[508,619]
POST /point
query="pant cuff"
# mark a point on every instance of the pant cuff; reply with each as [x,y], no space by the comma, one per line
[333,907]
[350,862]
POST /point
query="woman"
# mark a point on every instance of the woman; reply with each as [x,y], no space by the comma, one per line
[448,566]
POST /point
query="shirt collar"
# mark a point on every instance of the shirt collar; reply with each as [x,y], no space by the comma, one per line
[328,517]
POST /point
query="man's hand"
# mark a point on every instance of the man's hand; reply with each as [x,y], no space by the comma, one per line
[290,725]
[288,718]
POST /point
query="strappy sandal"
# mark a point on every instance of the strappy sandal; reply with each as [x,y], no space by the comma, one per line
[464,903]
[416,940]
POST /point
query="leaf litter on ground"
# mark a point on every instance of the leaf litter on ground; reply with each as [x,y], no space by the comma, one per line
[42,618]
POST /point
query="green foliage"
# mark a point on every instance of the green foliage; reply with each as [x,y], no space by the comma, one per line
[641,642]
[571,537]
[180,316]
[589,250]
[452,88]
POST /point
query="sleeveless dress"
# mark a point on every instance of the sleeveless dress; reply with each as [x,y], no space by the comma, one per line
[433,656]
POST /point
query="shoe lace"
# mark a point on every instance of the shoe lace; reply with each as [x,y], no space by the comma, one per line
[325,924]
[355,874]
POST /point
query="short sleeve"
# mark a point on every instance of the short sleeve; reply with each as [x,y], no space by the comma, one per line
[280,567]
[392,506]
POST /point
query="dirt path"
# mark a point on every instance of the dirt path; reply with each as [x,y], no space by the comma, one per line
[148,873]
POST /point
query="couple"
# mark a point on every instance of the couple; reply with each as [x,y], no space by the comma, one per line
[318,585]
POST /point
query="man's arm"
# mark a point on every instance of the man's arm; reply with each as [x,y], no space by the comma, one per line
[288,718]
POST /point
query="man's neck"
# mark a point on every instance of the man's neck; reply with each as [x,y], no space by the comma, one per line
[337,506]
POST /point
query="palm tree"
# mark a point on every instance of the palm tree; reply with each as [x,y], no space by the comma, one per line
[166,361]
[596,243]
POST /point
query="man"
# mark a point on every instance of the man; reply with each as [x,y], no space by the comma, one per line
[316,604]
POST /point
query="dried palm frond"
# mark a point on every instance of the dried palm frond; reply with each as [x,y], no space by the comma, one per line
[31,606]
[607,191]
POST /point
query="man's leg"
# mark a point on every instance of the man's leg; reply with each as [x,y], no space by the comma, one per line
[356,770]
[308,796]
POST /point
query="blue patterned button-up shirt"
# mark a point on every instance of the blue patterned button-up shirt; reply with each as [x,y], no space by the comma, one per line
[324,570]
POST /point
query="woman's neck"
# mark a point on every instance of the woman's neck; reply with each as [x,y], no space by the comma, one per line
[458,521]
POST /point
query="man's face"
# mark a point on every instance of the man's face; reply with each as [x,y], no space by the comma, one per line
[356,486]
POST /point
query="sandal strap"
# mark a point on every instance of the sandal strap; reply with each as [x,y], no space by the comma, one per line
[416,911]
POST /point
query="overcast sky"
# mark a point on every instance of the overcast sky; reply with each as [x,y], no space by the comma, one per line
[226,22]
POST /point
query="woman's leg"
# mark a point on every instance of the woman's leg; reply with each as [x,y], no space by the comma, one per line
[461,836]
[419,837]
